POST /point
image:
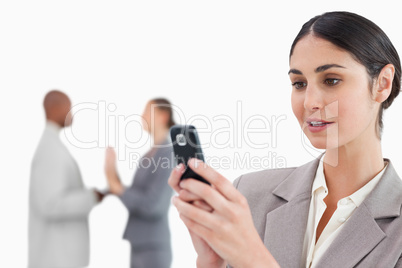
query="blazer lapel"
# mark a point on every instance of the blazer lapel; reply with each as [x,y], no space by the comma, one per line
[285,229]
[361,233]
[286,225]
[357,238]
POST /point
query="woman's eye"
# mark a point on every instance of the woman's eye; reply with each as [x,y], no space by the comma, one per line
[331,81]
[299,85]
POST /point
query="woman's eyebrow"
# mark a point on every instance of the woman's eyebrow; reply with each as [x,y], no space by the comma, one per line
[318,69]
[294,71]
[326,67]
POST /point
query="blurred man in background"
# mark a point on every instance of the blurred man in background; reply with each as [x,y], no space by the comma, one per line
[59,203]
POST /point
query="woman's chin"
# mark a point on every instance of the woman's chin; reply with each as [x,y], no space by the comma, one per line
[320,144]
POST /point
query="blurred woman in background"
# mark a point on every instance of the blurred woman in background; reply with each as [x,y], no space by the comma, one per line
[148,198]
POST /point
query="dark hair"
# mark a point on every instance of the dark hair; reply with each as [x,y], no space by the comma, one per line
[364,40]
[164,105]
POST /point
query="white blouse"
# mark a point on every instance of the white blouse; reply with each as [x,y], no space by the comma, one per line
[345,208]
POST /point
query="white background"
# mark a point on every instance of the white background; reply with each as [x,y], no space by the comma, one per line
[208,57]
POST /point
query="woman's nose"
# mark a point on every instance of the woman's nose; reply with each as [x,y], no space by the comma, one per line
[313,99]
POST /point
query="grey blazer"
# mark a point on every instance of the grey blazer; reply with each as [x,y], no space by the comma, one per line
[279,200]
[148,199]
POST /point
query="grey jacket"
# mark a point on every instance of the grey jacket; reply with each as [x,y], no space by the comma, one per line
[280,198]
[148,199]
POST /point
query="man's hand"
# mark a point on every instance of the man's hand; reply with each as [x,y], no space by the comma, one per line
[100,195]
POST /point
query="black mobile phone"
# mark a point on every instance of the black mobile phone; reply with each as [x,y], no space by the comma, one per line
[186,145]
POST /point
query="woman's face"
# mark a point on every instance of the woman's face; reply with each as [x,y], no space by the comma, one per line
[330,95]
[153,118]
[146,117]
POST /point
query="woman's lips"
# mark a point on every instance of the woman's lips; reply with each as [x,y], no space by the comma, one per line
[317,125]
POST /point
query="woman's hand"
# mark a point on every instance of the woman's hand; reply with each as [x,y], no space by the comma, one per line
[113,180]
[207,257]
[227,228]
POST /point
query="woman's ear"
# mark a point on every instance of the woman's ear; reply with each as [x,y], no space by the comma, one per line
[383,86]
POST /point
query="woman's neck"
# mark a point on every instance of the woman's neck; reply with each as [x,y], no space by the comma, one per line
[350,167]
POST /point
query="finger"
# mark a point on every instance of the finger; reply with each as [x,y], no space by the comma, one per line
[175,176]
[209,194]
[194,213]
[223,185]
[110,154]
[188,196]
[197,201]
[196,229]
[109,150]
[203,205]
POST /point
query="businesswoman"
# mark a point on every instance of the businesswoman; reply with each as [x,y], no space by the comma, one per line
[148,198]
[342,211]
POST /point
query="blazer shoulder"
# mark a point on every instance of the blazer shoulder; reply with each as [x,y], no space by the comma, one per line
[286,183]
[262,181]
